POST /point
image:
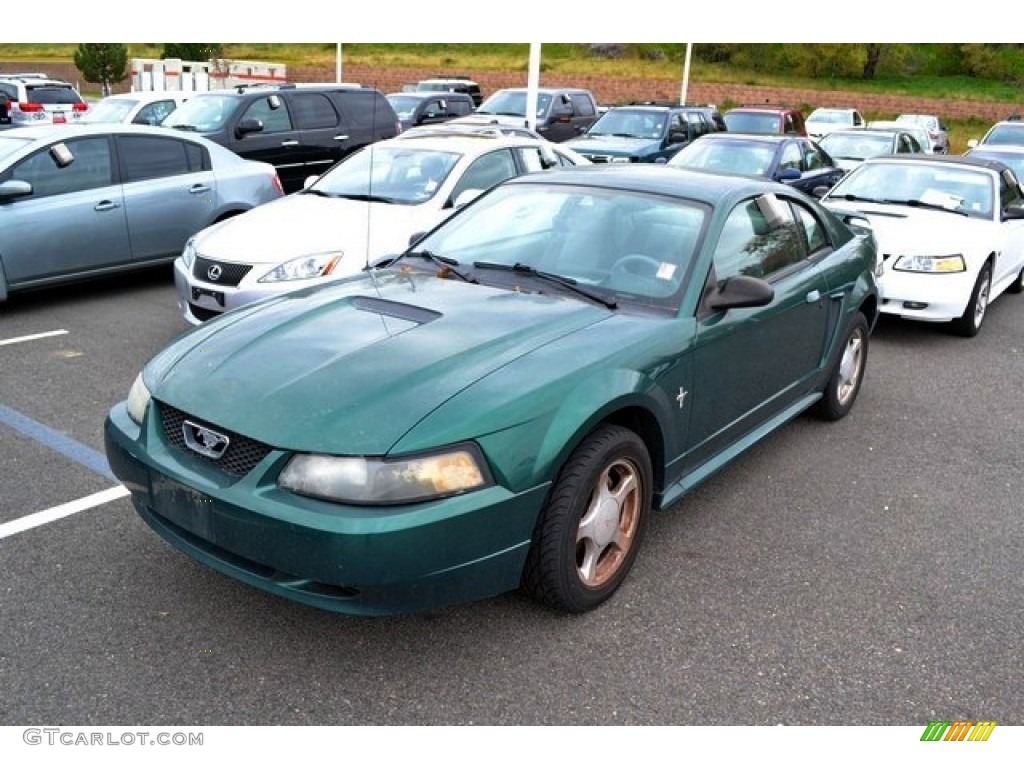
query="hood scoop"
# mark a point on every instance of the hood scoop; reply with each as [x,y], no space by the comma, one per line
[395,309]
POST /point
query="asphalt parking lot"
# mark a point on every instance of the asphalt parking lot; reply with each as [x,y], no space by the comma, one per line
[859,573]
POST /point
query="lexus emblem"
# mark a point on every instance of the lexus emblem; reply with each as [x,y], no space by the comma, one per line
[214,272]
[204,440]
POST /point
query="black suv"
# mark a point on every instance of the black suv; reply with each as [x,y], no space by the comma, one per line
[643,133]
[300,129]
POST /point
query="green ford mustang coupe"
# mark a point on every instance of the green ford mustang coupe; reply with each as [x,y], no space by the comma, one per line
[503,405]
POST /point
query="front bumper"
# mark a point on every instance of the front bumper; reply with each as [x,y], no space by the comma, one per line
[348,559]
[943,296]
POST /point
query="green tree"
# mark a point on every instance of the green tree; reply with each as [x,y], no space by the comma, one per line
[104,63]
[193,51]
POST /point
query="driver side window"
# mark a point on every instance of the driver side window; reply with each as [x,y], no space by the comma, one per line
[485,172]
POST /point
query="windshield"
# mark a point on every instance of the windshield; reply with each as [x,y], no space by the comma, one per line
[753,122]
[204,113]
[513,103]
[964,190]
[403,175]
[1006,134]
[1015,160]
[630,247]
[631,123]
[112,111]
[857,146]
[726,157]
[405,106]
[830,116]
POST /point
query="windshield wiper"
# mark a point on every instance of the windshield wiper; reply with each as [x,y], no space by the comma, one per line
[562,280]
[185,127]
[368,198]
[317,192]
[446,263]
[930,206]
[859,199]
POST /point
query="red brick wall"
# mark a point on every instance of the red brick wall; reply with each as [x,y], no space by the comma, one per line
[612,90]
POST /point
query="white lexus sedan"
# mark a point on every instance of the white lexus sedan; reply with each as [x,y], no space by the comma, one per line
[950,233]
[365,207]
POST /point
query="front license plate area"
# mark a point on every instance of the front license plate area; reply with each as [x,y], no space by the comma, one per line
[198,293]
[186,507]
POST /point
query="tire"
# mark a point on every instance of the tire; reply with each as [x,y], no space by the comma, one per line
[969,323]
[848,373]
[589,533]
[1017,286]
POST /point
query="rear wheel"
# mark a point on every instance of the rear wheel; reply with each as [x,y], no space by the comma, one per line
[847,375]
[969,323]
[588,535]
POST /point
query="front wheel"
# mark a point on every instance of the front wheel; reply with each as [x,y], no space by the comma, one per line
[969,323]
[589,533]
[848,373]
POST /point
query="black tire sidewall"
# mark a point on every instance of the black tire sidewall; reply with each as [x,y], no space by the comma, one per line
[551,574]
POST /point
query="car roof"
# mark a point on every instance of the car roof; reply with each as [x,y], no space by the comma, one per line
[147,95]
[424,95]
[550,89]
[466,142]
[760,138]
[657,179]
[953,160]
[775,110]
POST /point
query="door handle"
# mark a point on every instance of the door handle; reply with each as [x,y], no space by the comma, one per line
[198,189]
[341,137]
[813,297]
[290,143]
[106,205]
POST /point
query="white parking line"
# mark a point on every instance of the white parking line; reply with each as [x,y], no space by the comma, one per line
[56,513]
[33,337]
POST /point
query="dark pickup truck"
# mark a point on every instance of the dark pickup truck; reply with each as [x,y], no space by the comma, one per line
[562,113]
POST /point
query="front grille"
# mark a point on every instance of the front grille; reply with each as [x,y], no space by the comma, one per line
[243,453]
[230,274]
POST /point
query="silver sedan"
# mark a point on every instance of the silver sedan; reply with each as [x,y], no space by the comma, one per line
[89,200]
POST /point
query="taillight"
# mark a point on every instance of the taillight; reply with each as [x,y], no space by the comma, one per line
[81,107]
[277,183]
[29,106]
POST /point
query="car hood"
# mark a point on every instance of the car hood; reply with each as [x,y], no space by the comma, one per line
[302,224]
[350,367]
[616,145]
[899,229]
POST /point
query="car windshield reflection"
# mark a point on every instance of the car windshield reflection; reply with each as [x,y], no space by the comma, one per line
[633,248]
[402,175]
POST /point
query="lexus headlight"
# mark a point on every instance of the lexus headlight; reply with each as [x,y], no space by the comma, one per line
[304,267]
[941,264]
[138,400]
[360,480]
[188,254]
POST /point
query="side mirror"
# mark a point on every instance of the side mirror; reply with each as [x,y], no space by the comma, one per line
[13,189]
[248,125]
[788,174]
[741,291]
[415,237]
[548,158]
[1013,211]
[308,181]
[677,137]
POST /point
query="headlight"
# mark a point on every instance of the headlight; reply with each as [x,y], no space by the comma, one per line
[304,267]
[953,263]
[138,400]
[359,480]
[188,254]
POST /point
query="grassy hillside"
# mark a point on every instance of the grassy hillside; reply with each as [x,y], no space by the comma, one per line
[915,77]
